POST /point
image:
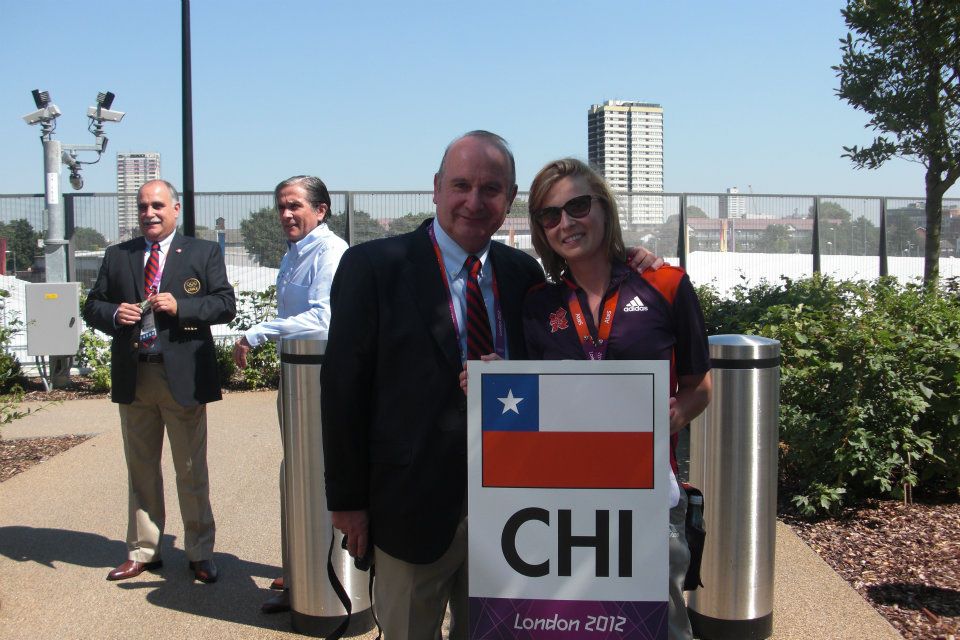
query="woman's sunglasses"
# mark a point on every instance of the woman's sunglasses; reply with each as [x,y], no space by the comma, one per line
[578,207]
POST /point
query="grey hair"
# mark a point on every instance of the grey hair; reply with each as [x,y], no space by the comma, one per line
[316,190]
[493,138]
[174,195]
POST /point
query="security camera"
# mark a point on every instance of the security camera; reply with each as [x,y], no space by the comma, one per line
[49,112]
[98,113]
[70,160]
[105,99]
[76,180]
[40,98]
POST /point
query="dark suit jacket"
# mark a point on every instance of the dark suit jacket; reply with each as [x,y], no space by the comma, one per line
[394,416]
[189,354]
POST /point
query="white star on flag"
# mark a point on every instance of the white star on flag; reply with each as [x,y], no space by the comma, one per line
[510,403]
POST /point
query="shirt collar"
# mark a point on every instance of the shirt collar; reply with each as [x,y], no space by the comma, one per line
[619,272]
[315,234]
[453,254]
[164,244]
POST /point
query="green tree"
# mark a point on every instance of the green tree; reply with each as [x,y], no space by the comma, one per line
[902,236]
[864,237]
[21,243]
[87,239]
[263,237]
[693,211]
[409,222]
[902,68]
[365,227]
[830,211]
[776,238]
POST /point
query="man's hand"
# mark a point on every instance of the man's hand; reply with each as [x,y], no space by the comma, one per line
[128,313]
[164,303]
[356,526]
[639,259]
[240,350]
[490,357]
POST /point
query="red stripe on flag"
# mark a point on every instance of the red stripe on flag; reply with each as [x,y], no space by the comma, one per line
[568,460]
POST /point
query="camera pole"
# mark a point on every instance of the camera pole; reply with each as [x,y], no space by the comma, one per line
[54,243]
[55,153]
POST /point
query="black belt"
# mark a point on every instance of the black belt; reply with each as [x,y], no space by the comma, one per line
[155,358]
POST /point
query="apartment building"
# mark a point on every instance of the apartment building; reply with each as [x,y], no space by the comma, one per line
[625,143]
[133,169]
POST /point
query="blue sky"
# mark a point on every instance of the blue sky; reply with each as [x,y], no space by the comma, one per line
[367,94]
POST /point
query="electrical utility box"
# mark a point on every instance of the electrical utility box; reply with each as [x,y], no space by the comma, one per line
[53,318]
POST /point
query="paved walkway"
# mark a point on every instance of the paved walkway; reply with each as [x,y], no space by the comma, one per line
[62,525]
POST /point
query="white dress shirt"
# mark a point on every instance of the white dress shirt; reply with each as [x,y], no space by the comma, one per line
[303,288]
[454,258]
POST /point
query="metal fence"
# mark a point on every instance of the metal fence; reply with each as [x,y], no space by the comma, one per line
[727,239]
[753,235]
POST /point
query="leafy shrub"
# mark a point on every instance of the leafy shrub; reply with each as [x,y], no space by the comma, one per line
[11,374]
[94,354]
[263,362]
[226,368]
[869,383]
[263,367]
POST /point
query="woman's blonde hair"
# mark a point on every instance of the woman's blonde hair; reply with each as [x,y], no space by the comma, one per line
[550,175]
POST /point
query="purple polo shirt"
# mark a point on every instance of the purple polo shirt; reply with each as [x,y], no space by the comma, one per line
[645,326]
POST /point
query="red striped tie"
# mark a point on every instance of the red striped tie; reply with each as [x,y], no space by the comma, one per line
[150,271]
[479,338]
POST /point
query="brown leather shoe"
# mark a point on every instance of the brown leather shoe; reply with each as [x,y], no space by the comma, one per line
[204,570]
[277,603]
[277,584]
[132,568]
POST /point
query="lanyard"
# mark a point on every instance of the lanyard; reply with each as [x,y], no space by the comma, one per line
[594,349]
[499,330]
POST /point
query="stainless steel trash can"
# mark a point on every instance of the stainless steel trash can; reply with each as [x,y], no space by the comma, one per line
[315,608]
[733,460]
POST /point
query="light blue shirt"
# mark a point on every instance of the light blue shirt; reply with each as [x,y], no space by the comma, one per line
[453,261]
[303,288]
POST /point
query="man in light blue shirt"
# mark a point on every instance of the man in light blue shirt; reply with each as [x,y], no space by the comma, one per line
[303,300]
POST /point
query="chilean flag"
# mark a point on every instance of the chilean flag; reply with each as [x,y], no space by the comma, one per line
[547,431]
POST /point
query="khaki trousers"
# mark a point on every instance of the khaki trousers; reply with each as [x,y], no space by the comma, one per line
[142,424]
[410,599]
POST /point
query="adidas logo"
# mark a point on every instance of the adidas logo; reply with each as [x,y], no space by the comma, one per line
[635,305]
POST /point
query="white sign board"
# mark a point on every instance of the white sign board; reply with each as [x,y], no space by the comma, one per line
[568,490]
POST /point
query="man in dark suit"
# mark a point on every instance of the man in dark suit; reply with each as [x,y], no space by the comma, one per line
[157,295]
[394,417]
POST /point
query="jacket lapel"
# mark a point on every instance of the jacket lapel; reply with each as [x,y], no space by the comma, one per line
[511,298]
[135,256]
[431,295]
[173,262]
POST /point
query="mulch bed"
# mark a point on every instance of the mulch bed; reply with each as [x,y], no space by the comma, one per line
[905,560]
[21,454]
[80,387]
